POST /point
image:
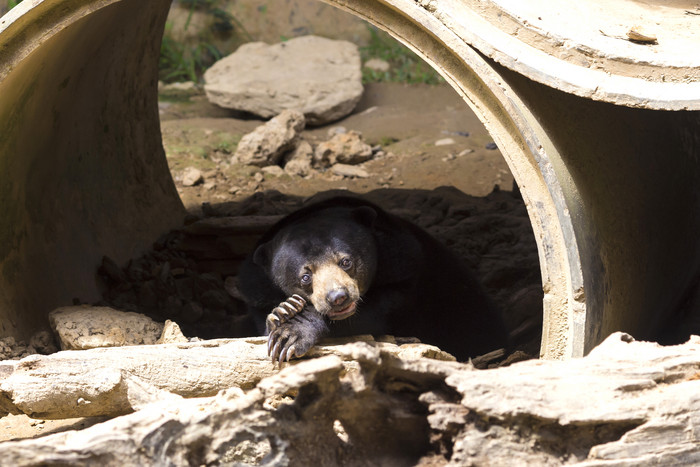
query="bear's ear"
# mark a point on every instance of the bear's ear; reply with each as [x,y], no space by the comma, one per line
[261,257]
[365,215]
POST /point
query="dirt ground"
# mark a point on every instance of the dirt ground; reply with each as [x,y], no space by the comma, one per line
[460,190]
[406,120]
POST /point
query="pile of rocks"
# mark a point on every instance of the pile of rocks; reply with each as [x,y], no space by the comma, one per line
[40,343]
[277,147]
[627,403]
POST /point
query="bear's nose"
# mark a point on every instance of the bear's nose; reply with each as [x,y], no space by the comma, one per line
[337,297]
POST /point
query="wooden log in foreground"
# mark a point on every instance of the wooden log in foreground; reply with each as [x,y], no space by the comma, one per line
[118,380]
[626,404]
[115,380]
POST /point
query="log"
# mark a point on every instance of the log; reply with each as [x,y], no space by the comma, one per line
[118,380]
[626,404]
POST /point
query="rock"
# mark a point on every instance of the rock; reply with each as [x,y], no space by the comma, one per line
[43,343]
[267,143]
[444,142]
[191,176]
[344,148]
[349,171]
[183,89]
[171,334]
[491,146]
[274,170]
[627,404]
[88,327]
[299,160]
[336,130]
[321,77]
[377,64]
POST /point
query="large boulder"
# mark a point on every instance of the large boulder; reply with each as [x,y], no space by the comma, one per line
[320,77]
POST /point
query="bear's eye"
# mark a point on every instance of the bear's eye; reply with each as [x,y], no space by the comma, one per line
[345,263]
[305,279]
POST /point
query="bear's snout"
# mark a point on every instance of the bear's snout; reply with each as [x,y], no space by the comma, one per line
[334,291]
[337,297]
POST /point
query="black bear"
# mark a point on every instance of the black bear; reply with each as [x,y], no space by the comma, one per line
[344,266]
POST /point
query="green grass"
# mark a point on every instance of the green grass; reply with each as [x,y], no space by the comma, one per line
[181,62]
[406,66]
[11,4]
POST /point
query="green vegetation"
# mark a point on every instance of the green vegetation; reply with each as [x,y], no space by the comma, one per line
[187,62]
[181,63]
[385,141]
[198,147]
[227,142]
[406,66]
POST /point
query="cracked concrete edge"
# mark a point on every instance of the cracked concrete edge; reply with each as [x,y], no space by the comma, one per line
[609,70]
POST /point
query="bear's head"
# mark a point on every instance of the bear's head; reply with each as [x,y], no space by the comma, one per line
[328,257]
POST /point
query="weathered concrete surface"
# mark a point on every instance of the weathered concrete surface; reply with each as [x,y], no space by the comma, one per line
[626,404]
[82,168]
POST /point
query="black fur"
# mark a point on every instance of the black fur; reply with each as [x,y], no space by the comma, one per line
[414,285]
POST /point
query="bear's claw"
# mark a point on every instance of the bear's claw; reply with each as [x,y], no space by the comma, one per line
[281,348]
[284,312]
[281,345]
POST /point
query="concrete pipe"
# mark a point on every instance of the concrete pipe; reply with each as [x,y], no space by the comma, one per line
[82,168]
[601,134]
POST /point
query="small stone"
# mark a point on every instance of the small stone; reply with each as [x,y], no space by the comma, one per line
[171,333]
[377,64]
[336,130]
[491,146]
[299,160]
[349,171]
[274,170]
[444,142]
[191,176]
[346,148]
[182,89]
[641,34]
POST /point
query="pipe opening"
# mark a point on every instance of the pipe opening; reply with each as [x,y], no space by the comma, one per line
[433,163]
